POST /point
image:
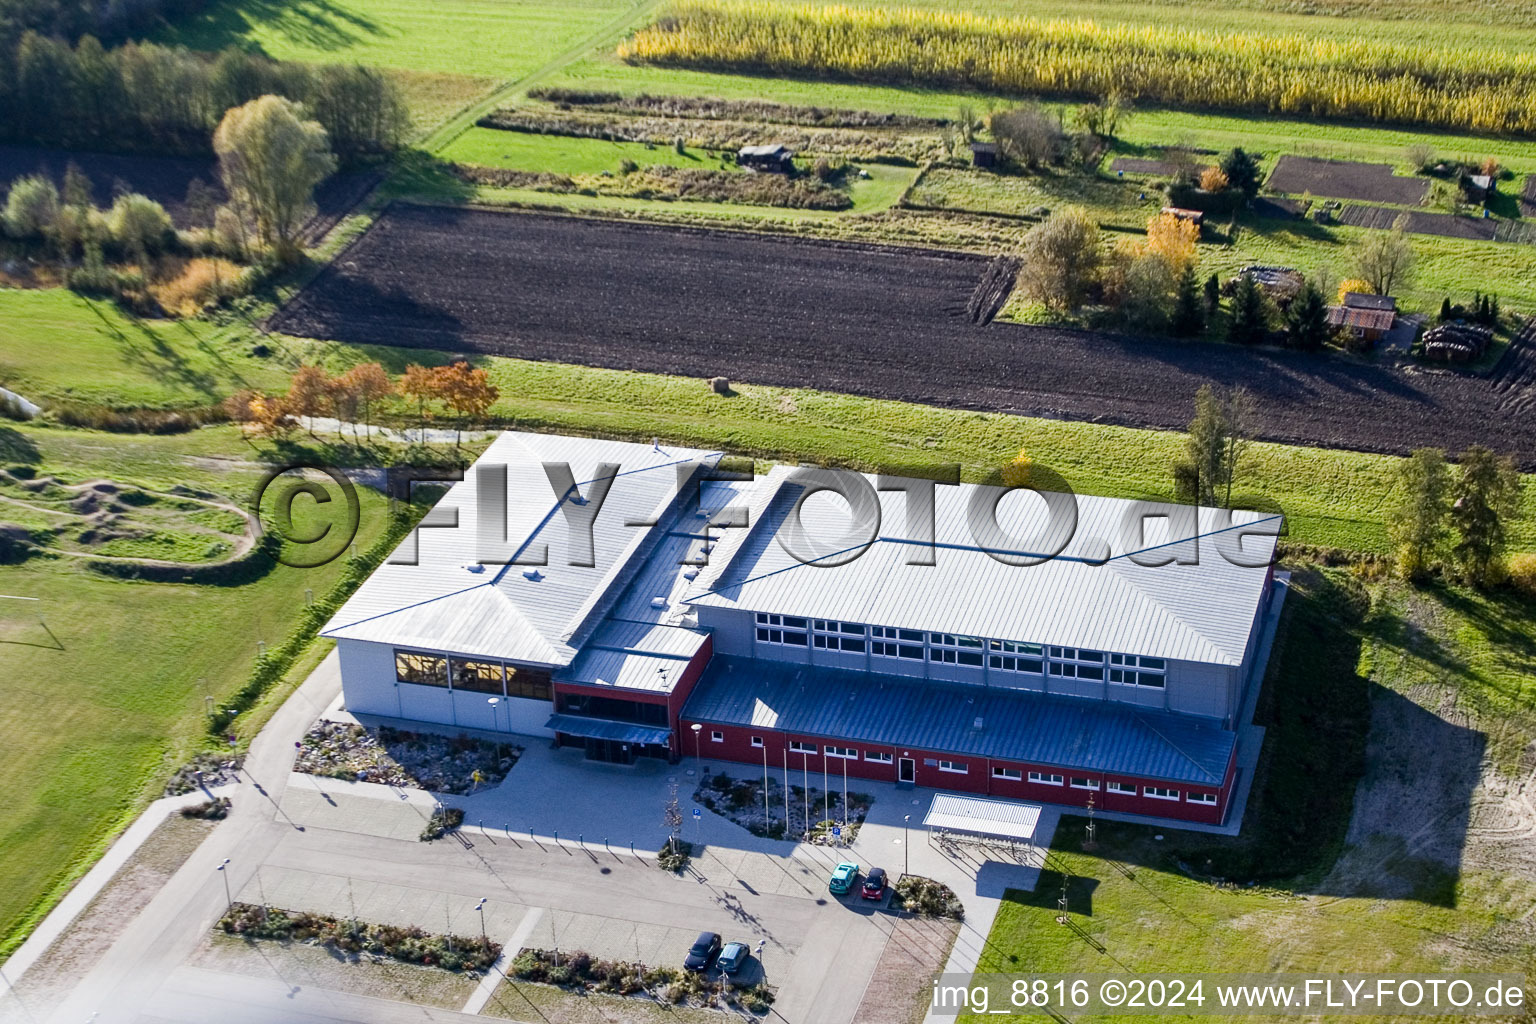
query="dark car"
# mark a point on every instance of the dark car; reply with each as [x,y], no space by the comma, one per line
[874,884]
[705,948]
[733,957]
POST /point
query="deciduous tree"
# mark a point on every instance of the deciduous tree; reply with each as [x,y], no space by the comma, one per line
[1486,495]
[467,391]
[1028,136]
[1384,259]
[1173,238]
[32,208]
[309,392]
[1214,179]
[420,384]
[1416,519]
[1061,259]
[371,385]
[271,157]
[1220,432]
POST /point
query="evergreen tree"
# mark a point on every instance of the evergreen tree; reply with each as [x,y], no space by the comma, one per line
[1212,295]
[1445,309]
[1250,319]
[1307,319]
[1188,306]
[1242,172]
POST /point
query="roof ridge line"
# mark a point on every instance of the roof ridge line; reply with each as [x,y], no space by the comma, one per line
[405,607]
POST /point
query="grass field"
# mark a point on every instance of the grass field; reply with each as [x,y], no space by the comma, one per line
[96,710]
[502,40]
[558,154]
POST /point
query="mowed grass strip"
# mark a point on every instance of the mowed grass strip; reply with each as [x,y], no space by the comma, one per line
[96,710]
[559,154]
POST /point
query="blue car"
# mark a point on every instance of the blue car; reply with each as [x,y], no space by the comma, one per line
[843,877]
[733,957]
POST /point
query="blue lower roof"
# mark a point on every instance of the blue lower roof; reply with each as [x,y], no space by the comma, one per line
[1034,728]
[607,729]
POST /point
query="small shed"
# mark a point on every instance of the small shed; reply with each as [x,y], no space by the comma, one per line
[777,158]
[1368,325]
[1479,187]
[984,154]
[1281,284]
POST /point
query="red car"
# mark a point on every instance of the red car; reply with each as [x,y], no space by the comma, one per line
[874,884]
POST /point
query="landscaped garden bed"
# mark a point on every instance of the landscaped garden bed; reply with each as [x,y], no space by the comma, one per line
[927,898]
[397,757]
[409,944]
[583,972]
[741,800]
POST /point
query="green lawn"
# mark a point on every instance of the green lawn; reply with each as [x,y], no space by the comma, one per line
[503,40]
[558,154]
[95,712]
[1430,662]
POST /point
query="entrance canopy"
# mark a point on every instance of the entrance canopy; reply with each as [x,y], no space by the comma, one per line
[982,817]
[606,729]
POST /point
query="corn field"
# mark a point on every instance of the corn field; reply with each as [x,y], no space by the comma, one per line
[1482,91]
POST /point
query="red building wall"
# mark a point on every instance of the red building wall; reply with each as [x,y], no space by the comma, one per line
[735,745]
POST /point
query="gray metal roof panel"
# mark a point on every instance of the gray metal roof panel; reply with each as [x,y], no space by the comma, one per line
[1032,728]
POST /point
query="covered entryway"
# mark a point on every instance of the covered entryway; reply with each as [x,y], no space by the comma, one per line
[973,819]
[607,740]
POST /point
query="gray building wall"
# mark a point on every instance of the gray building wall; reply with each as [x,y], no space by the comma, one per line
[1193,688]
[369,687]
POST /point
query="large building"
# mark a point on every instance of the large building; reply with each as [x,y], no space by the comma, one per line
[624,599]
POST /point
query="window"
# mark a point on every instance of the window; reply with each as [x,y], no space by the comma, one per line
[958,767]
[953,649]
[1122,787]
[1065,662]
[1159,793]
[1005,656]
[421,669]
[802,748]
[757,741]
[1044,779]
[1076,671]
[1007,773]
[847,753]
[788,630]
[716,736]
[1085,783]
[480,676]
[896,643]
[831,635]
[529,683]
[1200,798]
[1138,671]
[879,757]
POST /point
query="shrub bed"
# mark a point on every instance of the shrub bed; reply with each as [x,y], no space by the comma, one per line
[674,855]
[579,970]
[443,821]
[409,944]
[399,757]
[216,809]
[741,800]
[928,898]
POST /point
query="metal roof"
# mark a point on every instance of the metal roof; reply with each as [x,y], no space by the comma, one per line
[449,602]
[988,817]
[1201,613]
[1016,725]
[1366,319]
[1366,300]
[607,729]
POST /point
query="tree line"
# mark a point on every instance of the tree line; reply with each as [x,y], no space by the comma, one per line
[458,390]
[112,20]
[142,97]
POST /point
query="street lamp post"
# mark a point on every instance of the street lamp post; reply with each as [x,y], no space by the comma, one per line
[481,907]
[495,702]
[805,776]
[766,820]
[906,858]
[229,901]
[698,752]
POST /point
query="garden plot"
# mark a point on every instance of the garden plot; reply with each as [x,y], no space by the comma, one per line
[1346,179]
[1420,223]
[1528,198]
[1141,165]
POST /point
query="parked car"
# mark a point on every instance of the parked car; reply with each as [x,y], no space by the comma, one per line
[874,884]
[733,957]
[703,952]
[843,877]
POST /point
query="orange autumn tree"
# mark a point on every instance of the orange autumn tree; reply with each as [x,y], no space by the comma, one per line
[419,384]
[309,393]
[1173,238]
[368,384]
[467,391]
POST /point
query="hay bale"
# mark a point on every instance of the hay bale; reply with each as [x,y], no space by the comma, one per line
[720,385]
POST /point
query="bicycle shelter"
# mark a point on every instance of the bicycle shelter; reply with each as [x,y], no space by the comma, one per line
[976,819]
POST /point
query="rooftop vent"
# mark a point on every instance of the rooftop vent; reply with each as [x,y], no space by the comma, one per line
[976,724]
[691,574]
[658,602]
[533,574]
[474,567]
